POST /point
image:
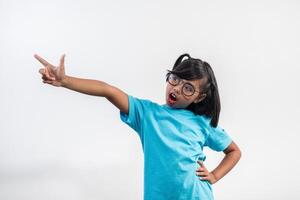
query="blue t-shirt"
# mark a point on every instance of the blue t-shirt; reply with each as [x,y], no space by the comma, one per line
[173,141]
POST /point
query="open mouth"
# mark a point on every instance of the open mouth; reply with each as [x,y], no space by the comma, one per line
[172,98]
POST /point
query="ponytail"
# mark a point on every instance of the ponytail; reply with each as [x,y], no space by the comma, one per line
[179,59]
[214,99]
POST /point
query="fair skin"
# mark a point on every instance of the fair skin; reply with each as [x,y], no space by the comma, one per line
[55,76]
[182,101]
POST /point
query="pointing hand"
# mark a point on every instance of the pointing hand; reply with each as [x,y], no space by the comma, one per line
[51,74]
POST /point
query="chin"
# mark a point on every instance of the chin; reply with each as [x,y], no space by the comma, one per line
[171,105]
[175,105]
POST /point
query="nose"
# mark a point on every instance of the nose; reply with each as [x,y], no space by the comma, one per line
[177,88]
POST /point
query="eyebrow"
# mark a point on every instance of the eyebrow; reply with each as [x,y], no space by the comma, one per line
[187,81]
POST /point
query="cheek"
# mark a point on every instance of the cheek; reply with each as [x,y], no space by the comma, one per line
[187,100]
[168,89]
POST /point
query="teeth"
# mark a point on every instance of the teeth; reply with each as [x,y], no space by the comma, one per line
[173,95]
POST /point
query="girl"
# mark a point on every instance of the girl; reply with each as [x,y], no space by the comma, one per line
[172,134]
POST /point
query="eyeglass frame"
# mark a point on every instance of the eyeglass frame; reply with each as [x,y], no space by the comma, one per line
[184,83]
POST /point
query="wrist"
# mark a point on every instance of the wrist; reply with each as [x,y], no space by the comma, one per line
[64,81]
[214,178]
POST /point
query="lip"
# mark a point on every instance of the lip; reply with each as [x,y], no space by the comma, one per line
[175,93]
[170,100]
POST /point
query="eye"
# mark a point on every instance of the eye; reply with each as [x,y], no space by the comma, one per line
[174,79]
[188,89]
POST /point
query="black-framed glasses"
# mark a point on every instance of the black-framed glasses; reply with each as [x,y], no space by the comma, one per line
[187,88]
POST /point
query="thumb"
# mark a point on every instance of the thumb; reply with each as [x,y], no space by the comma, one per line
[62,60]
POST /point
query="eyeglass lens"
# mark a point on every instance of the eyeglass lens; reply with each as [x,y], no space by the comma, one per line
[187,88]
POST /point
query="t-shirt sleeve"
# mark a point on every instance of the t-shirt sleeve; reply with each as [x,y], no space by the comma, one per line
[218,139]
[136,113]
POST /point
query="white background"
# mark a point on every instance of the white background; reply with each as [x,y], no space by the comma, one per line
[59,144]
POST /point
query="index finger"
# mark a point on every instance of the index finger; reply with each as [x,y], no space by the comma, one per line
[44,62]
[200,163]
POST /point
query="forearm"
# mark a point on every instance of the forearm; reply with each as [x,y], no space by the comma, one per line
[86,86]
[228,162]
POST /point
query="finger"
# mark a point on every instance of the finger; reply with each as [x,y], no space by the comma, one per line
[42,71]
[48,78]
[47,75]
[202,174]
[43,61]
[50,69]
[44,76]
[47,72]
[200,169]
[49,82]
[62,60]
[205,178]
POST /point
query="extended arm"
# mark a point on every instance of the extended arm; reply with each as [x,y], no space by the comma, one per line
[56,76]
[98,88]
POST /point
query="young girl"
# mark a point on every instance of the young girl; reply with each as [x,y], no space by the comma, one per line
[172,134]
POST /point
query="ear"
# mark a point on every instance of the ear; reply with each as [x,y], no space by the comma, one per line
[200,98]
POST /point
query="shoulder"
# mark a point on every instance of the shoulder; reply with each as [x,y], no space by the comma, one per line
[142,102]
[210,131]
[204,123]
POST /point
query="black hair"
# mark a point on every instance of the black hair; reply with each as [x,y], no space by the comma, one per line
[191,69]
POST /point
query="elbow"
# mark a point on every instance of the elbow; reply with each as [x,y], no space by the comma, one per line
[239,154]
[233,149]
